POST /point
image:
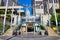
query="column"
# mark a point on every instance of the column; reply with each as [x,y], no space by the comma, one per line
[34,29]
[55,15]
[41,17]
[12,14]
[5,17]
[26,29]
[47,3]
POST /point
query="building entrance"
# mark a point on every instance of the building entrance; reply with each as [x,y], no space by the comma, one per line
[30,29]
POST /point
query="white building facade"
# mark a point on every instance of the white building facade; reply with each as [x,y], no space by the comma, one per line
[40,5]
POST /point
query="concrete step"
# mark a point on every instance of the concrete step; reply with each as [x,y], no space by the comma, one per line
[51,32]
[31,35]
[8,32]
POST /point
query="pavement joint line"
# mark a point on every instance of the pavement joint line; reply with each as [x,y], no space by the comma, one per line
[10,38]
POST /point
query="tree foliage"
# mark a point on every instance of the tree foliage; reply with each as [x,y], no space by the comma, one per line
[53,22]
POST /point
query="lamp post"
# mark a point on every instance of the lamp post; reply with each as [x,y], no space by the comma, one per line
[34,13]
[5,16]
[55,15]
[41,19]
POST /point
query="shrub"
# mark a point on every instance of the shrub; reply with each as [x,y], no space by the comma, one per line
[59,28]
[7,27]
[2,11]
[1,27]
[42,27]
[8,16]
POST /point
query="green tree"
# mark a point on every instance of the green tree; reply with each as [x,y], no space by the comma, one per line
[53,23]
[58,18]
[52,19]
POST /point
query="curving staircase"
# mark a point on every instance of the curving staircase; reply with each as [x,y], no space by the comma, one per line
[51,32]
[9,32]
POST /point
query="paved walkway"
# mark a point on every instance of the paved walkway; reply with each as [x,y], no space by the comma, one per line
[39,37]
[43,38]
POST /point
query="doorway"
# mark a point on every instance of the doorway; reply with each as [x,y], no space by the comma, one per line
[30,29]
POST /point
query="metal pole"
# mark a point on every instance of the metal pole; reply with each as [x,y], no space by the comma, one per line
[12,13]
[5,17]
[41,19]
[48,13]
[19,20]
[26,29]
[34,29]
[34,13]
[55,15]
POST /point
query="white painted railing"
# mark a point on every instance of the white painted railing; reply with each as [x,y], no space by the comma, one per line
[10,7]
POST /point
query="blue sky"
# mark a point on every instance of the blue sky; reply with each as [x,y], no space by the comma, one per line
[26,3]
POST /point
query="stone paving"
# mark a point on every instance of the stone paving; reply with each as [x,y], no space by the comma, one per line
[29,38]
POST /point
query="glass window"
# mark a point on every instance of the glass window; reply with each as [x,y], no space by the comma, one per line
[38,2]
[42,7]
[56,1]
[37,6]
